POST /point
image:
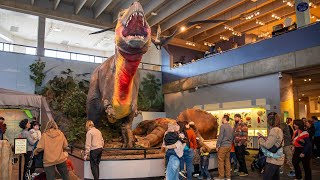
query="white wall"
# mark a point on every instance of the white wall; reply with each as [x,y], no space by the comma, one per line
[153,56]
[15,71]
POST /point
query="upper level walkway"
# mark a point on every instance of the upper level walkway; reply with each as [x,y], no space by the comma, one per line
[297,40]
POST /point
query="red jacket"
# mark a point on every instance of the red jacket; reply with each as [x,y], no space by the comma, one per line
[192,138]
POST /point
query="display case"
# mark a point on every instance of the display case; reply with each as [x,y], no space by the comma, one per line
[256,119]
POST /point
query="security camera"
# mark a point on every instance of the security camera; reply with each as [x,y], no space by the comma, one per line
[280,75]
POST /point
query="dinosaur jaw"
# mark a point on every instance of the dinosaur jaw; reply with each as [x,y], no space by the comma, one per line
[133,33]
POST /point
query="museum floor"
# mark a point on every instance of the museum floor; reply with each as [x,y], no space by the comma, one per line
[252,175]
[255,175]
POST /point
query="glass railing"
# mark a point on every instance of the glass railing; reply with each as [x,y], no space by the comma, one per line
[31,50]
[291,28]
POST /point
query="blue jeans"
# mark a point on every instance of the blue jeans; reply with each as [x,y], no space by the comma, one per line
[204,163]
[168,154]
[173,168]
[235,161]
[187,159]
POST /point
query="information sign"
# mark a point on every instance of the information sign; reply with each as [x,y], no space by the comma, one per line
[20,146]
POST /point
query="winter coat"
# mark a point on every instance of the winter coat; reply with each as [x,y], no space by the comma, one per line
[30,140]
[275,137]
[240,134]
[53,143]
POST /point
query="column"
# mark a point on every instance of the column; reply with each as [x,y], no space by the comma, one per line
[287,96]
[41,35]
[302,12]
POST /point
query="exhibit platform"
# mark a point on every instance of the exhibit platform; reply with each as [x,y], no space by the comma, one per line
[127,168]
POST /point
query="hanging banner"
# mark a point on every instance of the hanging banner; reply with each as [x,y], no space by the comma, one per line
[302,12]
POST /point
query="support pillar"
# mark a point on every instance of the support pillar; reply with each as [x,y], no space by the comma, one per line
[302,12]
[287,97]
[41,35]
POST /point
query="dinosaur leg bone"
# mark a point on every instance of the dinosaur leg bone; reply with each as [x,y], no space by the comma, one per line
[152,139]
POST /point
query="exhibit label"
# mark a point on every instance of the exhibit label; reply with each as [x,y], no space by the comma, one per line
[20,146]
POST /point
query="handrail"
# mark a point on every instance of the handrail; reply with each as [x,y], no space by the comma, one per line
[122,149]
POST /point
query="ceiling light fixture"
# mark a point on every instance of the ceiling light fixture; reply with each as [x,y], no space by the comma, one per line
[198,27]
[290,4]
[264,35]
[260,22]
[228,27]
[236,33]
[275,16]
[299,99]
[154,13]
[305,80]
[190,43]
[309,79]
[251,15]
[208,44]
[302,94]
[312,5]
[183,28]
[224,38]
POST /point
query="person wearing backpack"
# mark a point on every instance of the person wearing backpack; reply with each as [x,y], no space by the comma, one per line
[273,143]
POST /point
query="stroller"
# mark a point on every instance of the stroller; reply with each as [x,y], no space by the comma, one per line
[259,162]
[35,162]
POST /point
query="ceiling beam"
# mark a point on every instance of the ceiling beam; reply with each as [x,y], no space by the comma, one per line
[32,2]
[44,9]
[182,43]
[309,87]
[230,15]
[78,5]
[186,13]
[148,8]
[210,13]
[249,25]
[166,11]
[56,4]
[123,5]
[99,7]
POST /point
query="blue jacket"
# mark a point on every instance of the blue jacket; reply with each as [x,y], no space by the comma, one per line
[317,127]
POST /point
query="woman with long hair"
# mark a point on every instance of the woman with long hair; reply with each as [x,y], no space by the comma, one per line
[94,146]
[53,143]
[188,152]
[273,141]
[25,126]
[302,150]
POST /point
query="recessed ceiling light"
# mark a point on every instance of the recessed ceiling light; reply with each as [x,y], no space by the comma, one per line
[309,79]
[183,28]
[305,79]
[299,99]
[198,27]
[57,30]
[302,94]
